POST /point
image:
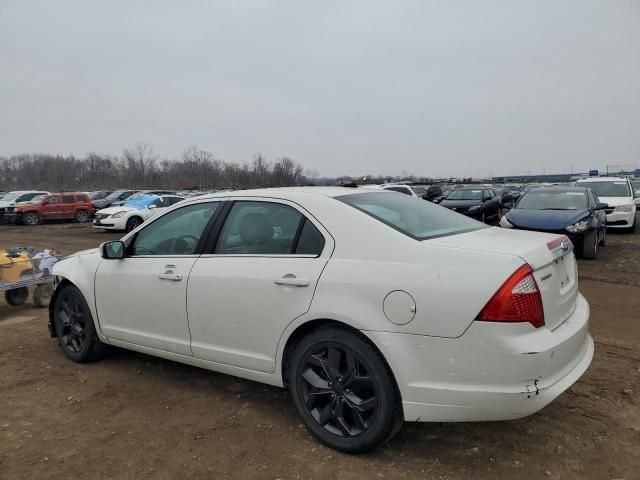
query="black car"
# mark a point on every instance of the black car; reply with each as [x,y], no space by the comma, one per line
[481,203]
[573,211]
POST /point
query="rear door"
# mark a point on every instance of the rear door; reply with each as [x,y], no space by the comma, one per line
[68,207]
[259,275]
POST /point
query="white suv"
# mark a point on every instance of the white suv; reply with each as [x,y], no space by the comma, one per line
[618,193]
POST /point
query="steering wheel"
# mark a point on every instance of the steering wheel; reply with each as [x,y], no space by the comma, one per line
[184,244]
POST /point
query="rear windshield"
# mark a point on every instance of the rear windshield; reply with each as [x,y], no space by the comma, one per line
[415,218]
[608,189]
[548,200]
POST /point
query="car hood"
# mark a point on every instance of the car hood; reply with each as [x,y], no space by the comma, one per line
[80,253]
[460,203]
[112,210]
[615,201]
[545,219]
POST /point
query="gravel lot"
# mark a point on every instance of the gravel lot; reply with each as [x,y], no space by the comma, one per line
[133,416]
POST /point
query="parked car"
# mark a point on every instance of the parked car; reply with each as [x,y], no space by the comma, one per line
[507,194]
[98,195]
[446,189]
[10,199]
[58,206]
[481,203]
[143,193]
[424,315]
[129,216]
[574,211]
[114,196]
[618,194]
[635,184]
[426,192]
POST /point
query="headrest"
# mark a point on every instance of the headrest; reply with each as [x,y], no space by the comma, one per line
[255,228]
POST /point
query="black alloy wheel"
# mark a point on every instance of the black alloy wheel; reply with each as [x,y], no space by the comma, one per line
[74,326]
[343,389]
[338,391]
[133,223]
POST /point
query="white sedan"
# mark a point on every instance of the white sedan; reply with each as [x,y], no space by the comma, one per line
[370,307]
[129,216]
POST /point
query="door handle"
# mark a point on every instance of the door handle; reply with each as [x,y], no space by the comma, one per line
[176,277]
[291,281]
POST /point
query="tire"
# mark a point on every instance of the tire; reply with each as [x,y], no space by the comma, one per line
[590,245]
[133,223]
[42,295]
[355,405]
[16,296]
[81,216]
[30,219]
[483,218]
[74,326]
[603,242]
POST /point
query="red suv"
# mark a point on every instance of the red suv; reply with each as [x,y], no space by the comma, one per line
[56,206]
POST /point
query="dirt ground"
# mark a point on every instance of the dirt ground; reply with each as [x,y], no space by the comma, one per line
[133,416]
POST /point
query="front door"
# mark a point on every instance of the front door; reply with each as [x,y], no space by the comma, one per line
[51,209]
[141,299]
[259,277]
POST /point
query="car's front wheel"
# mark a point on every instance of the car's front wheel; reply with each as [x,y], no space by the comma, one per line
[74,326]
[133,223]
[590,245]
[344,390]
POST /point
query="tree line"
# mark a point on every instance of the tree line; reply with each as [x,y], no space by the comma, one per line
[139,167]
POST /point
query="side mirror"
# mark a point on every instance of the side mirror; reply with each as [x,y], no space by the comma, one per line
[602,206]
[507,206]
[113,250]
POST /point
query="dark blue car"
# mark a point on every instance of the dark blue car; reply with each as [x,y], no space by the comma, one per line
[573,211]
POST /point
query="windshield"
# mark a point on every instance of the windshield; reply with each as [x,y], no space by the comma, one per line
[463,194]
[8,197]
[141,201]
[419,220]
[420,191]
[548,200]
[608,189]
[114,195]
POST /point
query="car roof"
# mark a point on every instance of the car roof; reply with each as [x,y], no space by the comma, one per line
[559,189]
[293,192]
[602,179]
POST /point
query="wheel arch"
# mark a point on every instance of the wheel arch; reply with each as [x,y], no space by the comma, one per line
[307,327]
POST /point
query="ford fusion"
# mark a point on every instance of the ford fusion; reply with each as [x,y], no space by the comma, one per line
[576,212]
[371,308]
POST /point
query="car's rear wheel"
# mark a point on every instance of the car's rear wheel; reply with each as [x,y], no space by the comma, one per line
[590,245]
[30,219]
[344,390]
[81,216]
[133,223]
[74,326]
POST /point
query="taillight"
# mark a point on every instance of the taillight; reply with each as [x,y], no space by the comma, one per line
[517,300]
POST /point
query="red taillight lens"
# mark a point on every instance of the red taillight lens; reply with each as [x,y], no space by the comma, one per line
[517,300]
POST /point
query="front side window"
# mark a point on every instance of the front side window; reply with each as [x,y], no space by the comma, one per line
[53,200]
[419,220]
[68,199]
[176,233]
[260,228]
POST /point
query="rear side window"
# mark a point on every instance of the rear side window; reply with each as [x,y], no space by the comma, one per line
[418,220]
[68,199]
[82,198]
[311,241]
[266,228]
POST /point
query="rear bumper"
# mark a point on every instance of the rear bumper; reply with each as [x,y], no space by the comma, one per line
[493,372]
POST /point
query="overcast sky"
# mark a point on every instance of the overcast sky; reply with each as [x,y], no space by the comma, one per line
[379,87]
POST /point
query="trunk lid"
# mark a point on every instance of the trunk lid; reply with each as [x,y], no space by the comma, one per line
[549,255]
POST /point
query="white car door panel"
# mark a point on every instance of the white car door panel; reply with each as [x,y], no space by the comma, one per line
[141,299]
[239,304]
